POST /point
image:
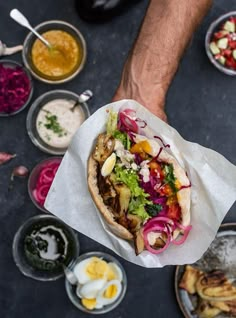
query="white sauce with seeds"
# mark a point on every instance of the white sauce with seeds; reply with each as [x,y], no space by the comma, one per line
[65,122]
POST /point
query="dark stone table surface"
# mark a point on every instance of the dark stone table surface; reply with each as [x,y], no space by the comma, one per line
[201,105]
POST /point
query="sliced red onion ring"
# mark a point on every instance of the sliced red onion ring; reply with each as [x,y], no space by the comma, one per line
[128,123]
[44,182]
[152,250]
[47,174]
[184,236]
[42,192]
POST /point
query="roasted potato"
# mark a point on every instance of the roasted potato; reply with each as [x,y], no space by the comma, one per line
[189,279]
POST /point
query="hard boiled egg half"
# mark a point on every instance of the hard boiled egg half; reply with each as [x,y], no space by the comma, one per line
[150,146]
[99,283]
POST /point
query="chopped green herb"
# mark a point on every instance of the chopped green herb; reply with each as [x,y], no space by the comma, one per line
[153,209]
[53,124]
[169,176]
[48,137]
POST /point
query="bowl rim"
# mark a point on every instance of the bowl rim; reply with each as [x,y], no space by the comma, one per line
[48,149]
[28,74]
[208,36]
[83,45]
[15,250]
[32,173]
[112,306]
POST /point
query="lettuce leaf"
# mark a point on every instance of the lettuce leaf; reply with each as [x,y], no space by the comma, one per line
[112,122]
[123,137]
[139,197]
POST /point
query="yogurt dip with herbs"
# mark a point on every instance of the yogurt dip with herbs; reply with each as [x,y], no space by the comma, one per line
[56,122]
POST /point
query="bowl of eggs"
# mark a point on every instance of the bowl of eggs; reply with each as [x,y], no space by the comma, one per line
[95,282]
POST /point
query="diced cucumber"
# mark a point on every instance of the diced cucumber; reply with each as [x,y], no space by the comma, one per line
[222,43]
[214,48]
[229,26]
[222,60]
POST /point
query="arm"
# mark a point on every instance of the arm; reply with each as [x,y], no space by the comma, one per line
[166,31]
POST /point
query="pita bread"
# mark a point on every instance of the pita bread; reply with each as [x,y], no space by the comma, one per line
[183,195]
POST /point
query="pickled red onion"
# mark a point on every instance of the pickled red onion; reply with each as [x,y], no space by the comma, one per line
[47,175]
[44,181]
[184,236]
[42,192]
[127,122]
[164,225]
[156,251]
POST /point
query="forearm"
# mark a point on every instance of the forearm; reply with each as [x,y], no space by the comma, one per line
[166,31]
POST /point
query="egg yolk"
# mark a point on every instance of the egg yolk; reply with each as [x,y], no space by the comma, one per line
[110,292]
[110,274]
[89,303]
[97,268]
[142,146]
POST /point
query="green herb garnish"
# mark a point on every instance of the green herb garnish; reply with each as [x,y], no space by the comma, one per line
[53,124]
[170,177]
[153,209]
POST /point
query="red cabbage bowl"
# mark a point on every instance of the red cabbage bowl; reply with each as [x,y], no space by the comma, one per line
[40,180]
[16,88]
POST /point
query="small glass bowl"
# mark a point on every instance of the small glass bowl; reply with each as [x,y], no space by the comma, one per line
[71,289]
[14,64]
[33,177]
[36,223]
[33,113]
[48,26]
[214,27]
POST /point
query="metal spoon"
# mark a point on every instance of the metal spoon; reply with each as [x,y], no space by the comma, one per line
[84,97]
[21,19]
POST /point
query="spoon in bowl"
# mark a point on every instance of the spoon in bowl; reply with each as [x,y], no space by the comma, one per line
[21,19]
[84,97]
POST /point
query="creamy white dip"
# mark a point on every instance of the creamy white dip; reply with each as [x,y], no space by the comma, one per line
[56,123]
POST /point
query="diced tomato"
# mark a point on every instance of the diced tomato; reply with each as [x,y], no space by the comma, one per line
[220,34]
[165,190]
[155,169]
[232,44]
[174,212]
[226,52]
[230,62]
[217,56]
[232,19]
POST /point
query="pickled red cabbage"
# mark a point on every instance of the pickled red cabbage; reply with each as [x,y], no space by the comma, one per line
[15,88]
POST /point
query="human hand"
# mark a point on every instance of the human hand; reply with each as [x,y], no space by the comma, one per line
[153,102]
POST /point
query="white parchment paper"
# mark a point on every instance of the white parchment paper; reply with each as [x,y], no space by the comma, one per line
[213,190]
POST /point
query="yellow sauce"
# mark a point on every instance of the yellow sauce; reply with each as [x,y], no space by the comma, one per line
[59,61]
